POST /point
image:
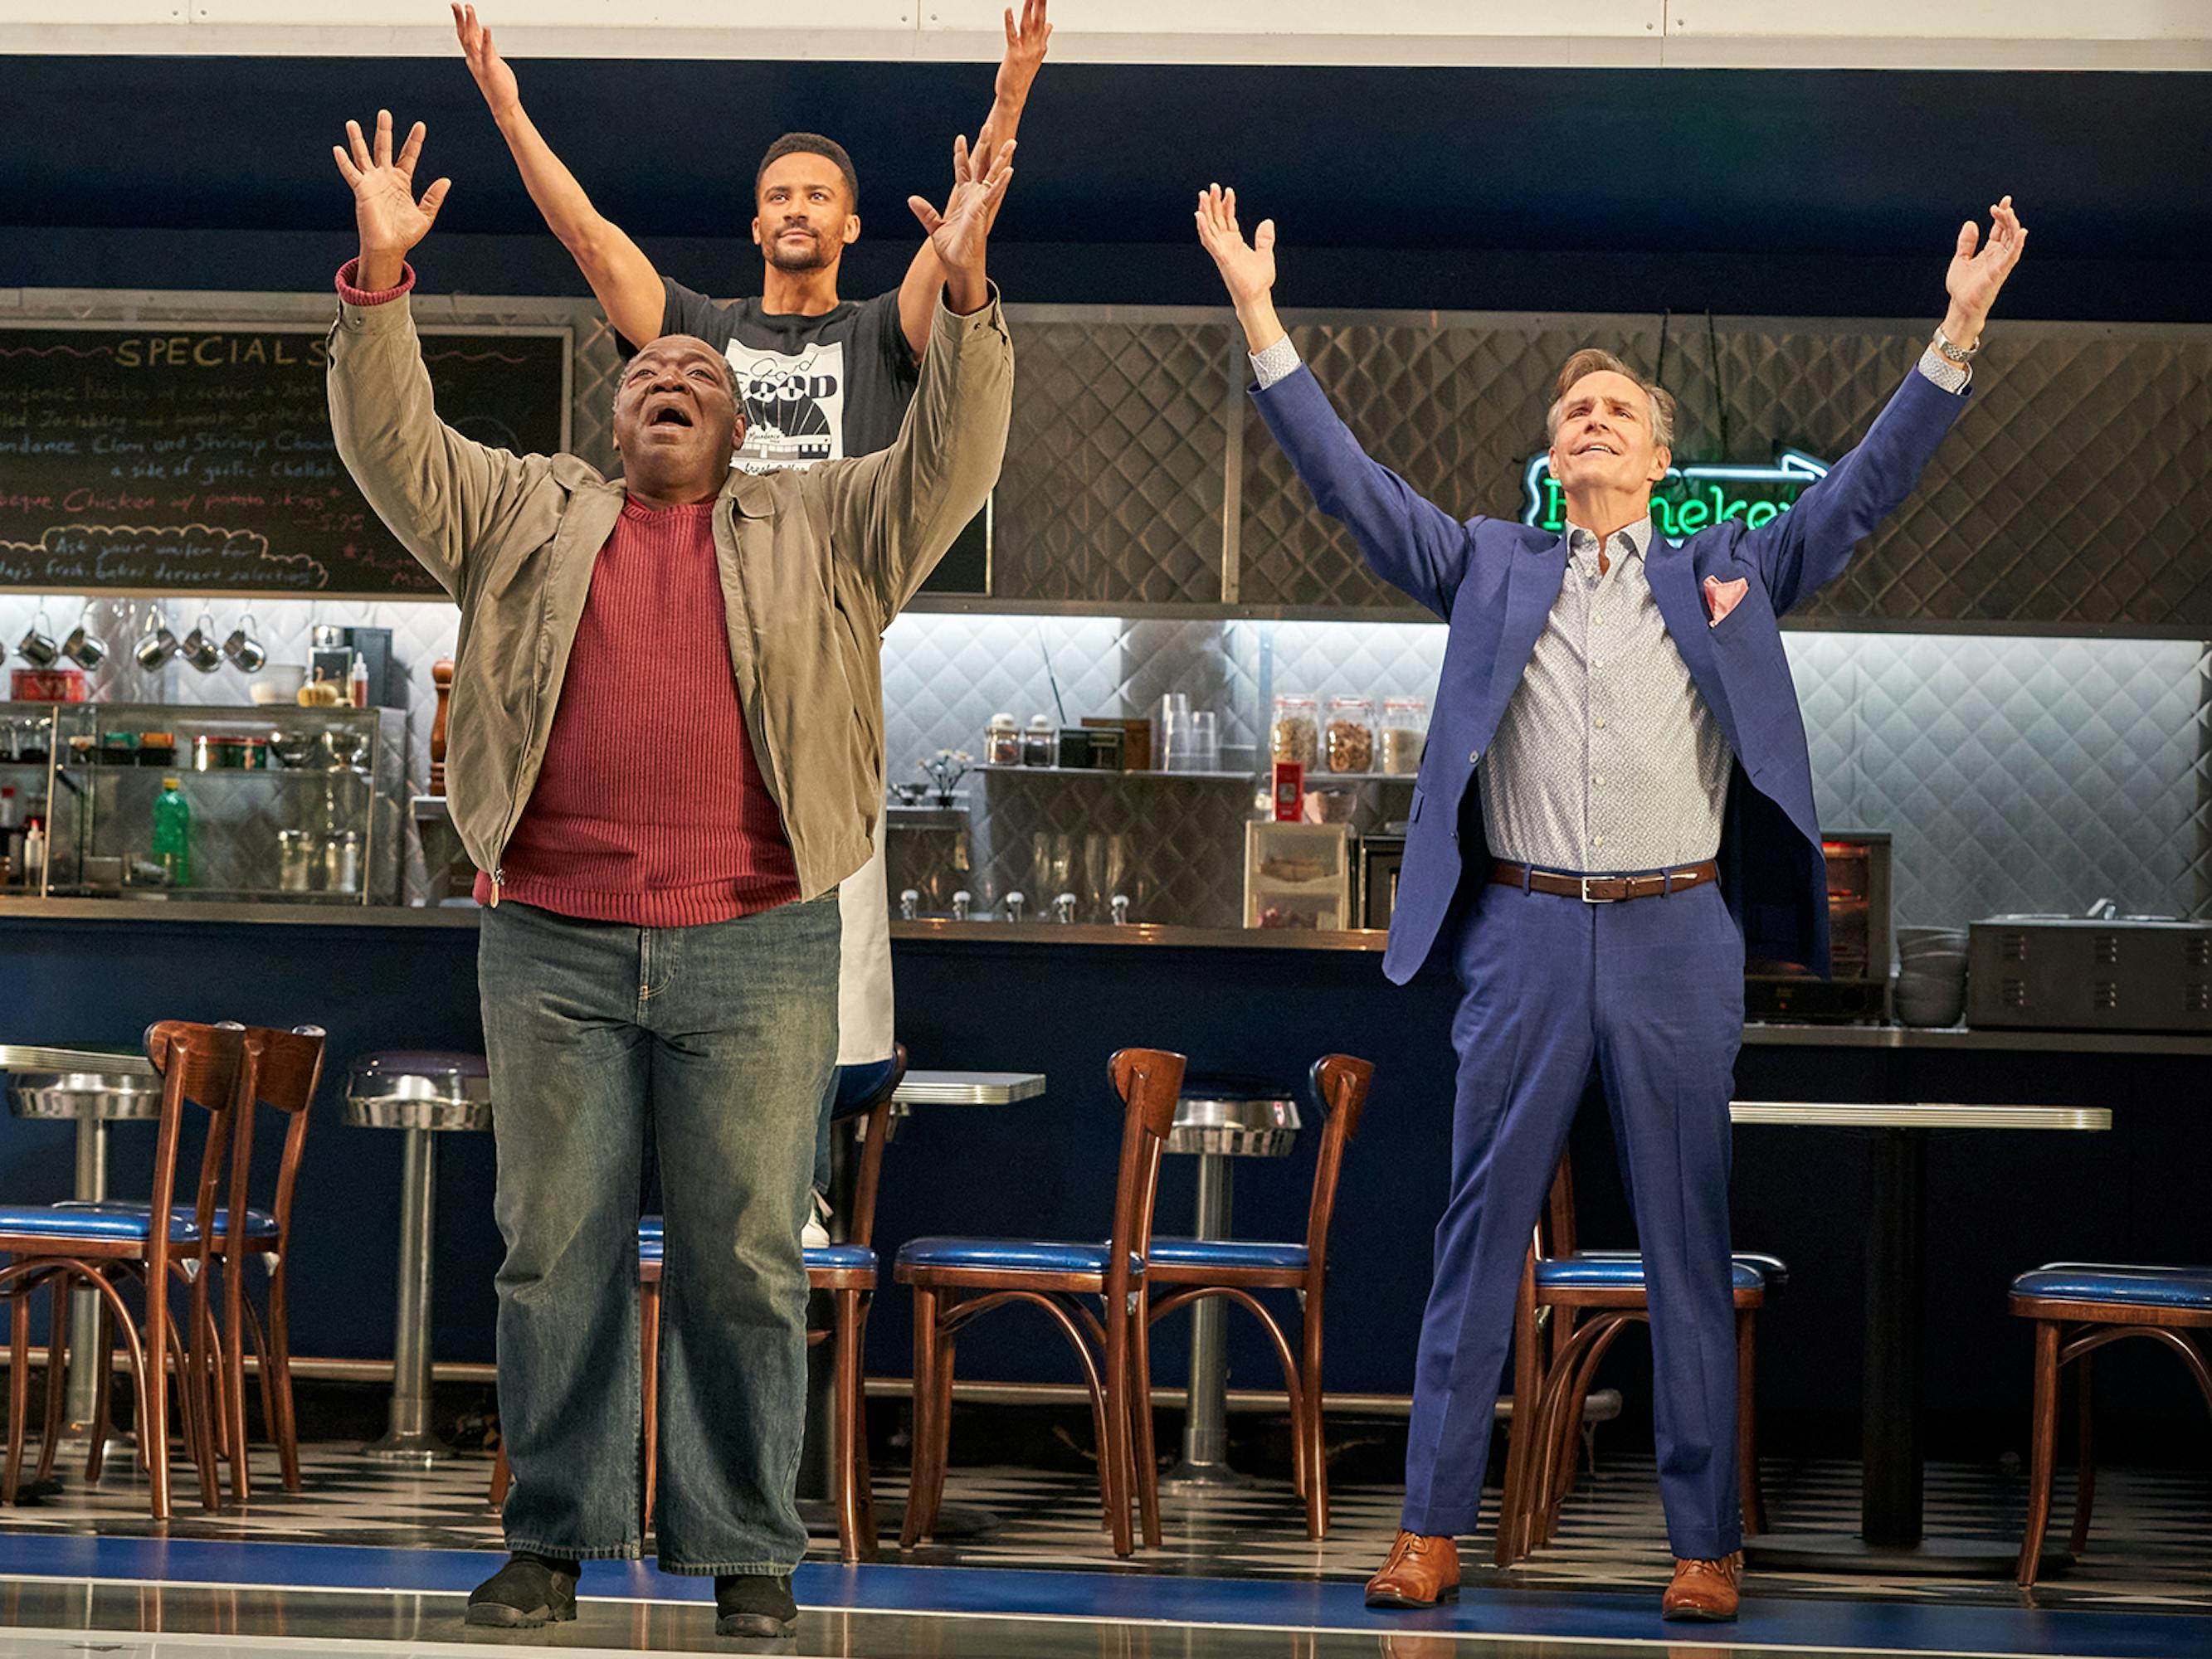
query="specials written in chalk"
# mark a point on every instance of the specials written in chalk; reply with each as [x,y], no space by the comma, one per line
[203,458]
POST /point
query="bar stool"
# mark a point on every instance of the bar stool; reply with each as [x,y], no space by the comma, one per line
[1606,1291]
[421,1095]
[2079,1307]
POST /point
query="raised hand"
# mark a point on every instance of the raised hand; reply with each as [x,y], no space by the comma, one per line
[1026,44]
[1975,276]
[959,233]
[1248,269]
[390,219]
[493,77]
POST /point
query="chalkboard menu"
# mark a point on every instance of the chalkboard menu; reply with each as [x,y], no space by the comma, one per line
[165,459]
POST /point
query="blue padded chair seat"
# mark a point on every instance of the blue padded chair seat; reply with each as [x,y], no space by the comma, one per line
[1007,1255]
[1621,1270]
[842,1258]
[2123,1283]
[1227,1253]
[113,1219]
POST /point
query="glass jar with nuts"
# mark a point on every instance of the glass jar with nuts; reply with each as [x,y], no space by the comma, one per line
[1351,734]
[1296,734]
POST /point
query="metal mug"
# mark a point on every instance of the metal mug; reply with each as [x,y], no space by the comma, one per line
[37,648]
[159,645]
[84,647]
[200,647]
[242,649]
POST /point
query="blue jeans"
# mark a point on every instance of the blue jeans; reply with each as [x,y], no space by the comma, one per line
[724,1036]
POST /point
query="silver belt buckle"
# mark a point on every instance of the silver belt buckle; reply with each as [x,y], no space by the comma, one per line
[1586,898]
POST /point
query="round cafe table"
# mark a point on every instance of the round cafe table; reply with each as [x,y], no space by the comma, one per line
[91,1085]
[1892,1538]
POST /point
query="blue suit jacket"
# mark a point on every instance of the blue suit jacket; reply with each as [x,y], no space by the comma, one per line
[1494,581]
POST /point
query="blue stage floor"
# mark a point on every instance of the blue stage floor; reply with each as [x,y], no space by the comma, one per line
[133,1595]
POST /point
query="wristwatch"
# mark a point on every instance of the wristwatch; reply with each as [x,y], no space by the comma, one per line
[1957,354]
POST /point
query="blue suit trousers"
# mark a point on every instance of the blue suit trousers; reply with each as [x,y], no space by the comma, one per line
[1649,992]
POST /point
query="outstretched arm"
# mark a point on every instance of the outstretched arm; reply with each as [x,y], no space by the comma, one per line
[629,287]
[1409,541]
[893,513]
[439,492]
[1808,547]
[1017,72]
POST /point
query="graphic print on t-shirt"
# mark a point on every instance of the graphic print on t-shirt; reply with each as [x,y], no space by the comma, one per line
[794,405]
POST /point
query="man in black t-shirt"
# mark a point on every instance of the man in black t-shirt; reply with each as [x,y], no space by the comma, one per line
[821,377]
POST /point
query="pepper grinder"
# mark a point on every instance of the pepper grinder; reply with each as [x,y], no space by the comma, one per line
[1014,903]
[1120,909]
[1063,907]
[909,904]
[960,901]
[442,677]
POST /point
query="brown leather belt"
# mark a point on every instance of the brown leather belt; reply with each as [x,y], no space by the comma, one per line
[1604,889]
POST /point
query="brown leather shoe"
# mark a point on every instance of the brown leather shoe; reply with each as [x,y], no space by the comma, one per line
[1703,1590]
[1418,1573]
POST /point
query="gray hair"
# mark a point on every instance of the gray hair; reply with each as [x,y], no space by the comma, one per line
[1590,360]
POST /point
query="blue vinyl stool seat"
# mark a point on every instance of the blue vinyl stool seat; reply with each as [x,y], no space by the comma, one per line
[834,1258]
[2122,1284]
[1282,1256]
[1623,1270]
[1011,1255]
[111,1219]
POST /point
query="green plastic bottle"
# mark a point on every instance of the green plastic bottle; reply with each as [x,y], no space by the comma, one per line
[173,834]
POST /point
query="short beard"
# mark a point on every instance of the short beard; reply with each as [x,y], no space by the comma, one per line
[817,257]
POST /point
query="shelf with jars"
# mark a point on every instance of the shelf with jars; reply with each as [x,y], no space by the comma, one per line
[174,803]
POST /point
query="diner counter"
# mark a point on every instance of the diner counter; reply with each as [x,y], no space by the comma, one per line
[939,932]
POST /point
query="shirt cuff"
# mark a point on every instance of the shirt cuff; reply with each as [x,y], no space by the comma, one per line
[357,296]
[1952,377]
[1276,363]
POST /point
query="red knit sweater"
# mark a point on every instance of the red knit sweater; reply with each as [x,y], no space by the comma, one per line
[650,808]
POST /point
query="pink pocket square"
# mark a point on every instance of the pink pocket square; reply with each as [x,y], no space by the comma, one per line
[1721,597]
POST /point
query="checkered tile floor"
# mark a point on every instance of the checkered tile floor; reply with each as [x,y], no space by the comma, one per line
[2151,1546]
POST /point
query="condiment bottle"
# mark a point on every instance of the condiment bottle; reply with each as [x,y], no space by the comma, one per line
[172,834]
[1003,742]
[357,682]
[1040,741]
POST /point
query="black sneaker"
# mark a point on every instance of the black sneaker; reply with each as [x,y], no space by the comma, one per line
[754,1604]
[529,1591]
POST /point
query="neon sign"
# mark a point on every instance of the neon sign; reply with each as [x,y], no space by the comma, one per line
[1690,498]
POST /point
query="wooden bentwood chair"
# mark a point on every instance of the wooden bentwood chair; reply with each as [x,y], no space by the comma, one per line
[2079,1307]
[846,1272]
[1556,1352]
[280,1070]
[55,1246]
[956,1280]
[1186,1270]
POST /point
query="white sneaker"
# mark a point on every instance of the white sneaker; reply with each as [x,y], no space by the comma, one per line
[815,1235]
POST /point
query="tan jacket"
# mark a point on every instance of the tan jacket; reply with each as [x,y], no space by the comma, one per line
[814,563]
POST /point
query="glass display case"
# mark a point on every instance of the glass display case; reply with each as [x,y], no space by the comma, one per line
[176,803]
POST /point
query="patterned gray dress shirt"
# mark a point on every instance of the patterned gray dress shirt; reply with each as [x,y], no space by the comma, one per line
[1607,760]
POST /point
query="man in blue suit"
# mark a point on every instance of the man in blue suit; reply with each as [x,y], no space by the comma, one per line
[1615,801]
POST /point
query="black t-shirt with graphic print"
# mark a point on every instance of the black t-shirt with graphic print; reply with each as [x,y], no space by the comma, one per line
[814,388]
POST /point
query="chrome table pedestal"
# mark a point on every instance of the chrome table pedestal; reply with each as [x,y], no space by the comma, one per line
[1218,1121]
[422,1096]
